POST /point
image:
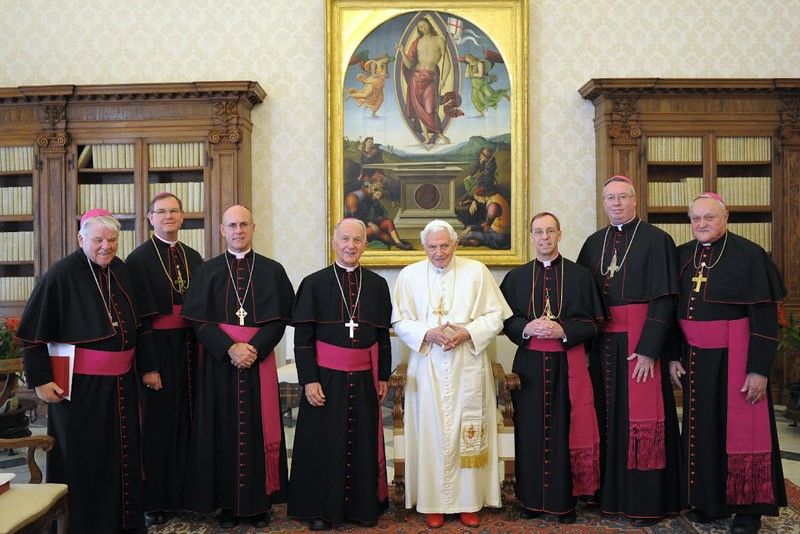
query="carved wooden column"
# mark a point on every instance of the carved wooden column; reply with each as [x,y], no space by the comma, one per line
[51,169]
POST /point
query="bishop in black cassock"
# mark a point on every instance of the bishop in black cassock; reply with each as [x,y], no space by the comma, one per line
[635,266]
[338,460]
[555,427]
[729,290]
[86,300]
[238,452]
[162,268]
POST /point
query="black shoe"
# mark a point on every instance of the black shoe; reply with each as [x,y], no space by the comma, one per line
[260,520]
[318,524]
[567,519]
[227,519]
[363,522]
[155,518]
[698,516]
[746,524]
[641,522]
[524,513]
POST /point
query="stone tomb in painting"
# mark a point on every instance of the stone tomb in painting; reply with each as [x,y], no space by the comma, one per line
[427,192]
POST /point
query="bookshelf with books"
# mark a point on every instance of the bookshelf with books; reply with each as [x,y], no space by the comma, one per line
[738,137]
[16,223]
[65,149]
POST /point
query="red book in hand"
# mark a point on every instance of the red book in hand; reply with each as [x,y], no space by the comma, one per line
[60,368]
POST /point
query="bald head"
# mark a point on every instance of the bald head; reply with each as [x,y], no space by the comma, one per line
[237,228]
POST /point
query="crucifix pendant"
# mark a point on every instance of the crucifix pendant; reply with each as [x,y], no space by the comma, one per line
[613,267]
[548,311]
[241,314]
[351,324]
[180,279]
[439,310]
[698,279]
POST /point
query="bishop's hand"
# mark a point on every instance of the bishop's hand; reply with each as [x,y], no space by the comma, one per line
[676,371]
[50,392]
[755,387]
[243,355]
[644,369]
[314,394]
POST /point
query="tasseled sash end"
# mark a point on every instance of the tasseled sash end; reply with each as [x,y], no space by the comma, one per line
[585,465]
[749,478]
[646,446]
[273,463]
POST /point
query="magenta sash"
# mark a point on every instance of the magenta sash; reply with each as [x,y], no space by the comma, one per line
[748,440]
[270,405]
[584,436]
[347,359]
[170,322]
[646,448]
[102,362]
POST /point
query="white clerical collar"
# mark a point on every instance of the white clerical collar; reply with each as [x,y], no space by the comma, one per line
[348,269]
[239,255]
[443,270]
[619,226]
[170,243]
[548,263]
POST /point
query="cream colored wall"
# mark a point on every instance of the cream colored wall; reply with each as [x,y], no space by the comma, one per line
[280,43]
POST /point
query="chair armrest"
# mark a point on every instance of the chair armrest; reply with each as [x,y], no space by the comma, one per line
[31,442]
[397,385]
[505,384]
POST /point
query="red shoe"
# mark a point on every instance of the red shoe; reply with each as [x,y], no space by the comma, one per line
[434,520]
[470,519]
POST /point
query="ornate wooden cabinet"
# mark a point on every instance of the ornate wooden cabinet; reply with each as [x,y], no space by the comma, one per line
[66,148]
[741,137]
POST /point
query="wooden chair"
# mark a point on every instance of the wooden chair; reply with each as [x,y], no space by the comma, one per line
[32,508]
[504,383]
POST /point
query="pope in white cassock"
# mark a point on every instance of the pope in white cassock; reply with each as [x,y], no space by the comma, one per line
[448,310]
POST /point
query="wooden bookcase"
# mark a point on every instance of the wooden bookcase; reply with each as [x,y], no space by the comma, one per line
[740,137]
[67,148]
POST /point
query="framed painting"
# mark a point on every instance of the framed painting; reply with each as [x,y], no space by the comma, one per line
[428,119]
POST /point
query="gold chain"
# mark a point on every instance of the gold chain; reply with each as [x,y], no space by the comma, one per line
[544,304]
[183,285]
[603,253]
[703,264]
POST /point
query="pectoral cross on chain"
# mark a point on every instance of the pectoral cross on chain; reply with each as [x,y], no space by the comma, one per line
[241,314]
[439,310]
[548,311]
[698,279]
[613,267]
[352,325]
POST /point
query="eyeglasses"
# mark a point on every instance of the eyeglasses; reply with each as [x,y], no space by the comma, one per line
[162,212]
[622,197]
[539,232]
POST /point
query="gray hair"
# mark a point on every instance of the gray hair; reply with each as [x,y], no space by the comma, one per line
[437,225]
[106,222]
[353,219]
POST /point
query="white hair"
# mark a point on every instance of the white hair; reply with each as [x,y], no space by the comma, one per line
[437,225]
[359,222]
[106,222]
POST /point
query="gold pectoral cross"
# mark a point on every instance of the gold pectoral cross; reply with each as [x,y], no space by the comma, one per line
[241,314]
[181,286]
[439,310]
[698,279]
[548,311]
[613,267]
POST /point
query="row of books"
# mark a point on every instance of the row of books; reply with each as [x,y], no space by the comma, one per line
[195,238]
[113,156]
[745,190]
[686,149]
[16,287]
[674,193]
[16,200]
[16,246]
[760,233]
[192,194]
[117,198]
[125,243]
[735,149]
[16,158]
[170,155]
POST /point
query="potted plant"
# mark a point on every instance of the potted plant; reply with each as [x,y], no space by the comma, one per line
[10,353]
[790,342]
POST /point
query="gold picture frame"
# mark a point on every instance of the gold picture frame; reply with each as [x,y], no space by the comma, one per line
[427,116]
